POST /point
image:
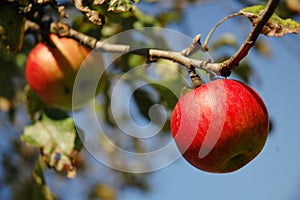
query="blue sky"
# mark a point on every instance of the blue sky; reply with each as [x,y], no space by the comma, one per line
[275,173]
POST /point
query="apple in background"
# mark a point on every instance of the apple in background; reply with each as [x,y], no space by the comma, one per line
[220,126]
[51,71]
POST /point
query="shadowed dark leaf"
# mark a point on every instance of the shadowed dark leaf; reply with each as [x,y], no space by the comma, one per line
[11,28]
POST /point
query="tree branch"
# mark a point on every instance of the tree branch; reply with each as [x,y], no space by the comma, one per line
[231,63]
[194,47]
[182,58]
[64,30]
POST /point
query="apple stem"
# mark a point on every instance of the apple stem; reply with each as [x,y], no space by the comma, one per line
[196,80]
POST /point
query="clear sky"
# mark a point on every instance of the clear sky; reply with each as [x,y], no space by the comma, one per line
[275,173]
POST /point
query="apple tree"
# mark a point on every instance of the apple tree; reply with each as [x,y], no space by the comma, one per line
[67,68]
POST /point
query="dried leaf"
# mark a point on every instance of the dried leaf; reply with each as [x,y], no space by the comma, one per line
[276,26]
[56,140]
[98,2]
[95,17]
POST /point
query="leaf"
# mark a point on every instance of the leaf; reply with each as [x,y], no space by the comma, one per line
[33,103]
[11,28]
[56,140]
[120,6]
[276,26]
[98,2]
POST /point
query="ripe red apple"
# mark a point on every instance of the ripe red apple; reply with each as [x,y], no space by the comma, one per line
[220,126]
[51,71]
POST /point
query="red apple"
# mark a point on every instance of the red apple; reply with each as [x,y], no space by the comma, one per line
[220,126]
[51,71]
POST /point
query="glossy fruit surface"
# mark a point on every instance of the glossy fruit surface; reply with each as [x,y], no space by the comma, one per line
[220,126]
[51,70]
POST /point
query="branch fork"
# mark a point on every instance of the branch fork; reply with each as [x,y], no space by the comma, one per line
[224,68]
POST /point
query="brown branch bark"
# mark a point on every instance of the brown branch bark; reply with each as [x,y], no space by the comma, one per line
[231,63]
[182,58]
[63,30]
[190,50]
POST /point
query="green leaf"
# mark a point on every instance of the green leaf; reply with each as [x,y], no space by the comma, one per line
[276,26]
[33,103]
[11,28]
[56,140]
[120,5]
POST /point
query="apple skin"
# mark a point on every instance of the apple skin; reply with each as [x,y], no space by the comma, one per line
[51,70]
[220,126]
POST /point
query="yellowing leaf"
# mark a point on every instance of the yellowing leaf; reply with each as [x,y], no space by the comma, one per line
[56,141]
[276,26]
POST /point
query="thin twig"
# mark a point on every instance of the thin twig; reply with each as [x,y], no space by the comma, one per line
[190,50]
[153,54]
[216,26]
[194,47]
[182,58]
[232,62]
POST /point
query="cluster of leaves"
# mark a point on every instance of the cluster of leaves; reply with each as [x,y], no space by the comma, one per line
[52,132]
